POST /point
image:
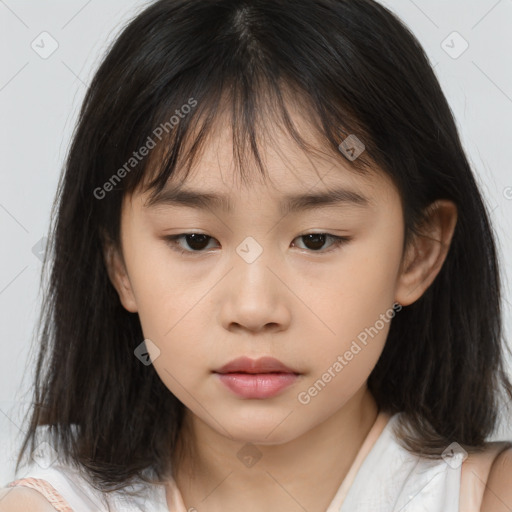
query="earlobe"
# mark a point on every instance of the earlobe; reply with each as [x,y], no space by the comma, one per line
[118,276]
[426,252]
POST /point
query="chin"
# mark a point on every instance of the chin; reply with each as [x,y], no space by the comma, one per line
[265,430]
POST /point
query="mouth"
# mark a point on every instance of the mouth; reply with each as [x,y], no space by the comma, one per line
[261,378]
[256,366]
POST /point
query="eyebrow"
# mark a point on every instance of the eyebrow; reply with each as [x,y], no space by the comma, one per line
[291,203]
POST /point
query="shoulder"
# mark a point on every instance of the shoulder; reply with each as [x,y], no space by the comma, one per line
[21,499]
[498,491]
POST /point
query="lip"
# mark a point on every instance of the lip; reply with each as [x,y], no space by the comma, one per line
[256,378]
[261,365]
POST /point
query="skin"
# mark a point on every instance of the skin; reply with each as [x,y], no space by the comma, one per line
[301,306]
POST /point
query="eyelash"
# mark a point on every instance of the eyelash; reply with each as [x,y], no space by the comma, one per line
[338,242]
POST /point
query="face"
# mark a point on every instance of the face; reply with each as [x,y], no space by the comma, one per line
[311,284]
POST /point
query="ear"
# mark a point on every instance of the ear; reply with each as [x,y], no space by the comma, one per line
[426,252]
[119,278]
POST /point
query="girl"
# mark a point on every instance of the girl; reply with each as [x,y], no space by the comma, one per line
[274,283]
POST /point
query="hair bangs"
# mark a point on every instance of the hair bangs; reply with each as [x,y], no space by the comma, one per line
[254,104]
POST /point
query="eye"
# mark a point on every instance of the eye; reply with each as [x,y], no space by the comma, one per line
[198,242]
[315,241]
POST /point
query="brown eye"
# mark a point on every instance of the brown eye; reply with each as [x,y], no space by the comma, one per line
[197,241]
[315,241]
[194,242]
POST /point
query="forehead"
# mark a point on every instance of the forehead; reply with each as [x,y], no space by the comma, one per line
[222,172]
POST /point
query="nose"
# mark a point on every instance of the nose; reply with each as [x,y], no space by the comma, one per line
[255,297]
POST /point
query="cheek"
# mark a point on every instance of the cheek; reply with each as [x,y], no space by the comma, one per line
[362,287]
[341,363]
[163,293]
[171,314]
[356,306]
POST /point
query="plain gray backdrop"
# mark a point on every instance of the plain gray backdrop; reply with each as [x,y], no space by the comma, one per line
[50,50]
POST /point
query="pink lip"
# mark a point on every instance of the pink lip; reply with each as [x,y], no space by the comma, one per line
[257,385]
[260,378]
[261,365]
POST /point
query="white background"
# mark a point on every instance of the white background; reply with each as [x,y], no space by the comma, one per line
[39,100]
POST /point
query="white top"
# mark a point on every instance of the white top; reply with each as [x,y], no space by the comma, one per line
[391,479]
[383,478]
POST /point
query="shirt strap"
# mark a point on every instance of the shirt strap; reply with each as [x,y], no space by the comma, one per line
[368,443]
[46,489]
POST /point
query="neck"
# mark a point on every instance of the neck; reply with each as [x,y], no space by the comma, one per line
[212,477]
